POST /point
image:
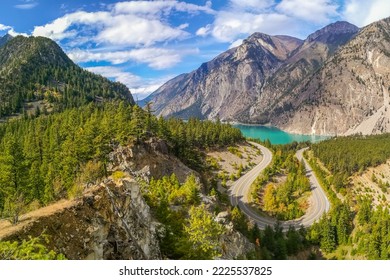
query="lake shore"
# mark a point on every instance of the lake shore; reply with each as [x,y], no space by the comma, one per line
[276,135]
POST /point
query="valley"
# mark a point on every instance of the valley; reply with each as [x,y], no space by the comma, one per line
[328,84]
[86,173]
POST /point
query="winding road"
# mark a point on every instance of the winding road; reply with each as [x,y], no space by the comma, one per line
[239,192]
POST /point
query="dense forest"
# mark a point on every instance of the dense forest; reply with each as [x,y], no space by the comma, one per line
[46,158]
[344,156]
[36,68]
[282,189]
[354,228]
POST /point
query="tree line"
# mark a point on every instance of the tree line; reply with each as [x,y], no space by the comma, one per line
[46,158]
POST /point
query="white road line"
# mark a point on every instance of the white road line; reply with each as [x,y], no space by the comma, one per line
[240,190]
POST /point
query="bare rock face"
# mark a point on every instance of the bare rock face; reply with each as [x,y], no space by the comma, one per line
[110,221]
[335,82]
[148,160]
[280,89]
[349,94]
[226,86]
[234,245]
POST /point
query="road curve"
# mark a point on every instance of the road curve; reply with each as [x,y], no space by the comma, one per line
[240,190]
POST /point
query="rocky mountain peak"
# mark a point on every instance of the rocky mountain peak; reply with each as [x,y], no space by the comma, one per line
[337,28]
[292,84]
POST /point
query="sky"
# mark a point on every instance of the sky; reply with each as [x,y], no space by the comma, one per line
[143,44]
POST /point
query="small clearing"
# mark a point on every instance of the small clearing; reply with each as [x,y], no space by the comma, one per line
[229,160]
[374,182]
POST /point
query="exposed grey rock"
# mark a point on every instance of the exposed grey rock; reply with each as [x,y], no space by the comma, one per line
[226,86]
[349,94]
[235,245]
[335,82]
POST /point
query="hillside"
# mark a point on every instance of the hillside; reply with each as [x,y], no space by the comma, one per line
[354,172]
[349,94]
[36,68]
[335,82]
[131,183]
[5,39]
[226,86]
[308,58]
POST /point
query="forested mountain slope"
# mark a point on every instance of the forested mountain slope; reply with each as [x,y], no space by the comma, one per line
[36,68]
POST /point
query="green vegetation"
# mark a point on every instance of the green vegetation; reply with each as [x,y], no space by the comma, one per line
[190,230]
[271,243]
[49,157]
[36,68]
[285,200]
[344,156]
[32,249]
[354,228]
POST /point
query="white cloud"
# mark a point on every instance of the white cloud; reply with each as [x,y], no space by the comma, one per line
[204,31]
[251,5]
[133,30]
[157,58]
[13,33]
[139,87]
[10,30]
[59,29]
[236,43]
[316,11]
[159,7]
[230,25]
[363,13]
[183,26]
[132,23]
[117,74]
[26,6]
[4,27]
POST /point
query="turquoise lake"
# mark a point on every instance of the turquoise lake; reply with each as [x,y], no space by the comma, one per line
[275,135]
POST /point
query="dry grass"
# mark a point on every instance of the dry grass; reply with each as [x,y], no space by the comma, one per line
[363,184]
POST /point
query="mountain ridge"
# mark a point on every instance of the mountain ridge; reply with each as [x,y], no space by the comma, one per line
[37,69]
[259,55]
[277,88]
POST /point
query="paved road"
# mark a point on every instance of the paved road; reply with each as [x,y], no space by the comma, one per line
[239,192]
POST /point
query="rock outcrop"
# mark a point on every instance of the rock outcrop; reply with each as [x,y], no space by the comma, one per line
[110,221]
[147,160]
[234,244]
[335,82]
[349,94]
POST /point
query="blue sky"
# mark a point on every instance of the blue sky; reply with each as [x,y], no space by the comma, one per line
[145,43]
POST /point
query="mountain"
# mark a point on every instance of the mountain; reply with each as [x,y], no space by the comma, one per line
[302,62]
[5,39]
[255,82]
[228,84]
[349,94]
[37,69]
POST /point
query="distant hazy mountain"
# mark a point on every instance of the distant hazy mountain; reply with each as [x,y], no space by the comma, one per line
[36,68]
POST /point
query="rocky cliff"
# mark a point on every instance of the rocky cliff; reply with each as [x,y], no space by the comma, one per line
[335,82]
[301,64]
[110,221]
[226,86]
[349,94]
